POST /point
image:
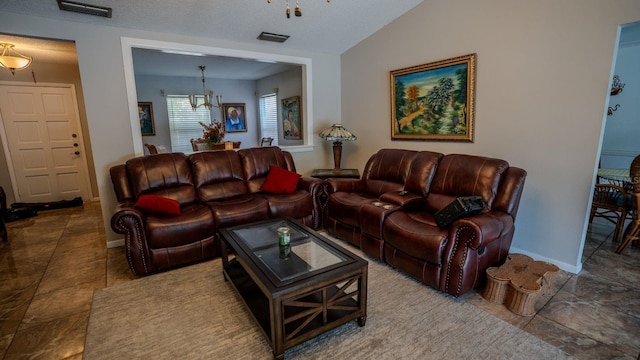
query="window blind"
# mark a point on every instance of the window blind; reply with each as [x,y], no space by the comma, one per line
[183,122]
[269,117]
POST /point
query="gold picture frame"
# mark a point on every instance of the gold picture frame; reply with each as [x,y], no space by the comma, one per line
[145,112]
[434,101]
[291,120]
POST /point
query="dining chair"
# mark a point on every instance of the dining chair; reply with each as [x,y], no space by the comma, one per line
[632,232]
[152,148]
[610,203]
[266,141]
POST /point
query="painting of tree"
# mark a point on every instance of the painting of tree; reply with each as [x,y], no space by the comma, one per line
[434,101]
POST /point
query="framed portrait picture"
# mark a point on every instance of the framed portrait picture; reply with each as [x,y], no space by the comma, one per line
[145,111]
[291,124]
[234,117]
[434,101]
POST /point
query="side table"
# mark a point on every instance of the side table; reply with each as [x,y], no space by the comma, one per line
[336,173]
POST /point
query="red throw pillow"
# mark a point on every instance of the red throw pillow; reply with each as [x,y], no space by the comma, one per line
[158,204]
[280,181]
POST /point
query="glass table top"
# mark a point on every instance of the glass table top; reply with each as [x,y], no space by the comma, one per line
[305,254]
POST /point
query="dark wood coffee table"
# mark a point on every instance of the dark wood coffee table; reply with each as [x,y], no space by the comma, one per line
[294,293]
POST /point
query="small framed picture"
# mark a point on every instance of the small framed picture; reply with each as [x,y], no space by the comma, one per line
[145,111]
[234,117]
[291,124]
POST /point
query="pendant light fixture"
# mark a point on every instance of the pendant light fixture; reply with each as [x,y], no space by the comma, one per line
[208,97]
[11,59]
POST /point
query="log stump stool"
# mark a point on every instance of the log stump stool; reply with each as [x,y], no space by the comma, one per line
[519,283]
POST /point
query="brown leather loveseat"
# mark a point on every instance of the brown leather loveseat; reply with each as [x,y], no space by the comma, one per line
[214,189]
[375,214]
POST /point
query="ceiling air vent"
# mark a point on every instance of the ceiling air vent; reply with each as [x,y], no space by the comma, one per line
[272,37]
[84,8]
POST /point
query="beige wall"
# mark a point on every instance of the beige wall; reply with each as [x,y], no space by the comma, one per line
[543,70]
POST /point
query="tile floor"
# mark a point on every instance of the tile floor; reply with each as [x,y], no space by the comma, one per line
[53,262]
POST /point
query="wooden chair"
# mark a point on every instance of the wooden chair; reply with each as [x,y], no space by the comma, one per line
[152,148]
[632,233]
[610,203]
[266,141]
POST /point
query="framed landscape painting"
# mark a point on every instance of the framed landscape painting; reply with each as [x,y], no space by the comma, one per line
[145,112]
[434,101]
[291,124]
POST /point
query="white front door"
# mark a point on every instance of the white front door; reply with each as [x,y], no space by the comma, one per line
[43,135]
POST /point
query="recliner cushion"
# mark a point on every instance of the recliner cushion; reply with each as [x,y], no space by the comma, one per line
[345,206]
[195,222]
[297,204]
[280,181]
[416,234]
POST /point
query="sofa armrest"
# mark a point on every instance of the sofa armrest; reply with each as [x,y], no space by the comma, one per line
[485,228]
[130,221]
[408,200]
[346,185]
[317,189]
[471,250]
[309,183]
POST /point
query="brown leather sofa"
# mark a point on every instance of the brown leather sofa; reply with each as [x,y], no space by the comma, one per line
[215,189]
[373,214]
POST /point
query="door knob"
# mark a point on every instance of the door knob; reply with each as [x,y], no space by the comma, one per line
[74,135]
[77,152]
[75,144]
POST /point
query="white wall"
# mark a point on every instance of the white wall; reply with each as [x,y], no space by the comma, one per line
[543,75]
[103,81]
[620,143]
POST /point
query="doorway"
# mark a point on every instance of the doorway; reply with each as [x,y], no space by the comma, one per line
[43,142]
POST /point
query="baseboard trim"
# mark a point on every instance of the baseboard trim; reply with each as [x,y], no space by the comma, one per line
[574,269]
[115,243]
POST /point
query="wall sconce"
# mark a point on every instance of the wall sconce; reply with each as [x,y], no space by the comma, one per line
[617,86]
[610,110]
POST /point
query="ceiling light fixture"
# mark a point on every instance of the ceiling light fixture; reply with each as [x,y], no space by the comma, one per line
[11,59]
[84,8]
[208,97]
[297,11]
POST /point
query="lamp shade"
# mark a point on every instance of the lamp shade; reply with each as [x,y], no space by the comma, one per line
[12,59]
[337,132]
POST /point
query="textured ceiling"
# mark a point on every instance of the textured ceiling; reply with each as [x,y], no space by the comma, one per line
[323,27]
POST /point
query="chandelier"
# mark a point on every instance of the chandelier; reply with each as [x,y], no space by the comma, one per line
[296,10]
[11,59]
[208,97]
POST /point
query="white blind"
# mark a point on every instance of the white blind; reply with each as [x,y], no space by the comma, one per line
[269,117]
[183,122]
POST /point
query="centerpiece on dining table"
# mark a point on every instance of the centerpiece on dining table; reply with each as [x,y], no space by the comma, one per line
[212,133]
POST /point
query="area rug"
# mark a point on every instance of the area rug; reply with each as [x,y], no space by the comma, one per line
[192,313]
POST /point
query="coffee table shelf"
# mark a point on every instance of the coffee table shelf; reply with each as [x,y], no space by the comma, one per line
[292,309]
